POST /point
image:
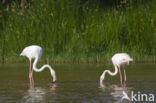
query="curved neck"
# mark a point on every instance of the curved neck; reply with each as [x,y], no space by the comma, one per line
[43,67]
[109,72]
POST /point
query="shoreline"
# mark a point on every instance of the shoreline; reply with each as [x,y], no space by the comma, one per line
[56,61]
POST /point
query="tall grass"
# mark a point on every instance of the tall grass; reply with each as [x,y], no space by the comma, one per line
[75,30]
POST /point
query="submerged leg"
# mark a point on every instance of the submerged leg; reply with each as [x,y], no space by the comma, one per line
[120,76]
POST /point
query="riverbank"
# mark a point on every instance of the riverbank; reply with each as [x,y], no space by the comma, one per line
[79,31]
[75,60]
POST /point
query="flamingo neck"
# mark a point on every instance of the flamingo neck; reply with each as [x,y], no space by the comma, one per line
[53,74]
[109,72]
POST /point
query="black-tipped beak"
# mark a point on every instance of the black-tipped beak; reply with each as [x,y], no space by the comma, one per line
[53,81]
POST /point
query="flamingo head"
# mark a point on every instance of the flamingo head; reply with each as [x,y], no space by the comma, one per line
[54,78]
[101,80]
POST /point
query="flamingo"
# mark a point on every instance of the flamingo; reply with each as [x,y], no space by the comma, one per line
[118,60]
[35,52]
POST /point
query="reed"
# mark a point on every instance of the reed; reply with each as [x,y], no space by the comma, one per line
[76,30]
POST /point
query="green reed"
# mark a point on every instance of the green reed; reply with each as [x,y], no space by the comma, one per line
[75,30]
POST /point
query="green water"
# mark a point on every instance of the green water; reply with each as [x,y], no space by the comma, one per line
[76,84]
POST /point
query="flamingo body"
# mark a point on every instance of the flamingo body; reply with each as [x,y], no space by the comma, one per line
[32,52]
[118,60]
[35,52]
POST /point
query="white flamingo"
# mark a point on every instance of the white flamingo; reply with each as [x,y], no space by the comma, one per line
[119,59]
[35,52]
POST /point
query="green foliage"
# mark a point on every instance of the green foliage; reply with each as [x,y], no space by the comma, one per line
[79,29]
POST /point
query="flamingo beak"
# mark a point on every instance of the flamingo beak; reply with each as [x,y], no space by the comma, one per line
[53,81]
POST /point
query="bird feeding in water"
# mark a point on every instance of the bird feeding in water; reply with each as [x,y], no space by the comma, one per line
[35,52]
[118,60]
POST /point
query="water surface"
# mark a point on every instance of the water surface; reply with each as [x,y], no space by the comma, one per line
[76,84]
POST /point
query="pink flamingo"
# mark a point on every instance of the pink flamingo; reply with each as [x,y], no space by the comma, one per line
[119,59]
[35,52]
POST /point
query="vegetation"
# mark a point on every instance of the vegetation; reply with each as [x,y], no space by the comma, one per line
[80,29]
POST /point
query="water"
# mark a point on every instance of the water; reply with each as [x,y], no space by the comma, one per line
[76,84]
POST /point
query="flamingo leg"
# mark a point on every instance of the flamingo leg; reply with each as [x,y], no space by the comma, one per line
[125,78]
[30,75]
[120,76]
[32,79]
